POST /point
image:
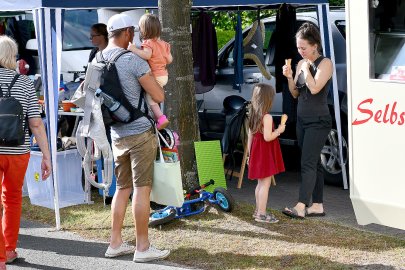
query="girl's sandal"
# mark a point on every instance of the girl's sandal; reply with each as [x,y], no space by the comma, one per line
[269,218]
[254,215]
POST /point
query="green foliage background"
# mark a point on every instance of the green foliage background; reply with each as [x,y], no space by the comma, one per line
[224,22]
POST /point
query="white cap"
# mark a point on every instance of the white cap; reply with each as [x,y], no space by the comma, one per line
[119,21]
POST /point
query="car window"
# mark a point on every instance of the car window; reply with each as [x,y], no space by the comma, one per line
[226,59]
[77,29]
[271,50]
[269,30]
[270,27]
[227,56]
[341,26]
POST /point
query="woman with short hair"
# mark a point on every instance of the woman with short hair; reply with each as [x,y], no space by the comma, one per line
[14,159]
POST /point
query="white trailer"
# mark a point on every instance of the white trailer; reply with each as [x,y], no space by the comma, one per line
[376,101]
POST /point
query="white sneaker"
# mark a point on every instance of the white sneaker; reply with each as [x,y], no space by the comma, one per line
[151,254]
[119,251]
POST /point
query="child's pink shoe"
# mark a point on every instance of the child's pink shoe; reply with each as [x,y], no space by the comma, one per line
[162,122]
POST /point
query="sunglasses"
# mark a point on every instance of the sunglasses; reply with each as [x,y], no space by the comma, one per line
[92,36]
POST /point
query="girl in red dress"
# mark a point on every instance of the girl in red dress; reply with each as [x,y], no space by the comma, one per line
[265,159]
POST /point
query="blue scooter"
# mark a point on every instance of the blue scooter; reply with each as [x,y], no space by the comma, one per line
[220,197]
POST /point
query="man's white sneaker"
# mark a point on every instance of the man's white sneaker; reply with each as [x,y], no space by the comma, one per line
[119,251]
[150,255]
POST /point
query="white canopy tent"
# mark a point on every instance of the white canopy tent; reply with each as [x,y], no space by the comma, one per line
[48,19]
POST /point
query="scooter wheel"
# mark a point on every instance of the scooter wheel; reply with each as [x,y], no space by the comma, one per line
[162,217]
[224,198]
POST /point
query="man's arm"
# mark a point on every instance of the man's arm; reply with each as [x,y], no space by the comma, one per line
[151,87]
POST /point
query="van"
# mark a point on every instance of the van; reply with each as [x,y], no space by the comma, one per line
[76,45]
[213,113]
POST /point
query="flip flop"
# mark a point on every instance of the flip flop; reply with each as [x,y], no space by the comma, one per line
[291,212]
[315,214]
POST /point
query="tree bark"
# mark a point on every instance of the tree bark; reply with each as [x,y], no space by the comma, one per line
[180,103]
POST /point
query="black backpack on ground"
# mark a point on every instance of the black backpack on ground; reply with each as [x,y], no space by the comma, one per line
[232,134]
[12,130]
[110,86]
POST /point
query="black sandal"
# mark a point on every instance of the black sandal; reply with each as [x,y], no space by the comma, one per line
[314,214]
[292,213]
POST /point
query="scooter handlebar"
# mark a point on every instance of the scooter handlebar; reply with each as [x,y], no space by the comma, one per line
[197,189]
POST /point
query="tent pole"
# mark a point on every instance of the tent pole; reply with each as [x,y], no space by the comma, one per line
[48,35]
[327,44]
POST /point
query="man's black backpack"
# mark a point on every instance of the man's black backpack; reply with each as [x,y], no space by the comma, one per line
[116,108]
[12,130]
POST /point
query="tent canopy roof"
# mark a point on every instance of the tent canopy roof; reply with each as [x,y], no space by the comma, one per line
[77,4]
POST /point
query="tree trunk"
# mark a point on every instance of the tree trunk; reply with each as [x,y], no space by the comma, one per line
[180,104]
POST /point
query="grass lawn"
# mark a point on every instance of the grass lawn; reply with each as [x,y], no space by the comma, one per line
[217,240]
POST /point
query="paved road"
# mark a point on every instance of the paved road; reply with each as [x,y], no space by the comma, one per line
[41,247]
[338,206]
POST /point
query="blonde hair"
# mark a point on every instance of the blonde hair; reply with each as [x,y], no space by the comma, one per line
[262,101]
[8,52]
[149,26]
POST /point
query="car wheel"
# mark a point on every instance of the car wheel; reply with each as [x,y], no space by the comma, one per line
[330,159]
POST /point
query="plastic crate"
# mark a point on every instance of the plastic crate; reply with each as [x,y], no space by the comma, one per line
[69,172]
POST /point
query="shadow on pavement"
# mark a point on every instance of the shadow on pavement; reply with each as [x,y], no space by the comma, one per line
[63,246]
[21,263]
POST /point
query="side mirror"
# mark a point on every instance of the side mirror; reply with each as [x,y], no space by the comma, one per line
[32,44]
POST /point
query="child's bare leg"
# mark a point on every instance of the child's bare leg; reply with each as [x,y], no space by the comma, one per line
[161,119]
[263,194]
[257,195]
[156,110]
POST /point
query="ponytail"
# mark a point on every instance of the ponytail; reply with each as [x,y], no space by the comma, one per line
[310,33]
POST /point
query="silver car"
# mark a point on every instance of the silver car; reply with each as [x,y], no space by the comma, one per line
[213,113]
